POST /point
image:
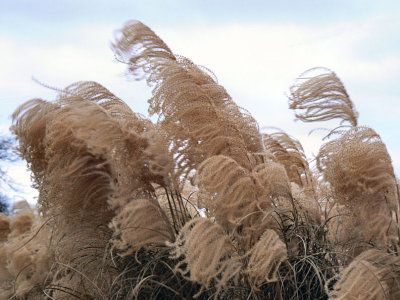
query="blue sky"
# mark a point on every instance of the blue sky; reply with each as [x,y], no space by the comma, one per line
[256,49]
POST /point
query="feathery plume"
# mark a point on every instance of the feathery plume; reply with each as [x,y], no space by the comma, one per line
[290,153]
[369,276]
[197,113]
[266,257]
[322,97]
[207,254]
[357,164]
[140,223]
[238,197]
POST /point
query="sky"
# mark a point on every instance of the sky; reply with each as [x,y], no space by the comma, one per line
[255,48]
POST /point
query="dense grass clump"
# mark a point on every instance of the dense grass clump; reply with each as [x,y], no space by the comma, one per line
[199,204]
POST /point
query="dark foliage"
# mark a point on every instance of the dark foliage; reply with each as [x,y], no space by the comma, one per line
[6,155]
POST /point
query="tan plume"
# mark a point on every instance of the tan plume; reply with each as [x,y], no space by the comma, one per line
[197,113]
[357,163]
[77,148]
[238,197]
[208,256]
[140,223]
[321,97]
[30,122]
[369,276]
[290,153]
[266,257]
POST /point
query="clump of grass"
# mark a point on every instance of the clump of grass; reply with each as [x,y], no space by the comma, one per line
[199,204]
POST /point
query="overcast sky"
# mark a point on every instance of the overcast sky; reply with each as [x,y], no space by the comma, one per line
[255,48]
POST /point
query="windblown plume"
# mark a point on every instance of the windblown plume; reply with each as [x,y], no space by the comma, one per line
[102,136]
[360,280]
[115,107]
[322,97]
[129,133]
[358,164]
[30,122]
[266,257]
[92,155]
[238,197]
[359,170]
[197,113]
[95,123]
[290,153]
[229,185]
[353,230]
[306,204]
[141,223]
[369,276]
[207,253]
